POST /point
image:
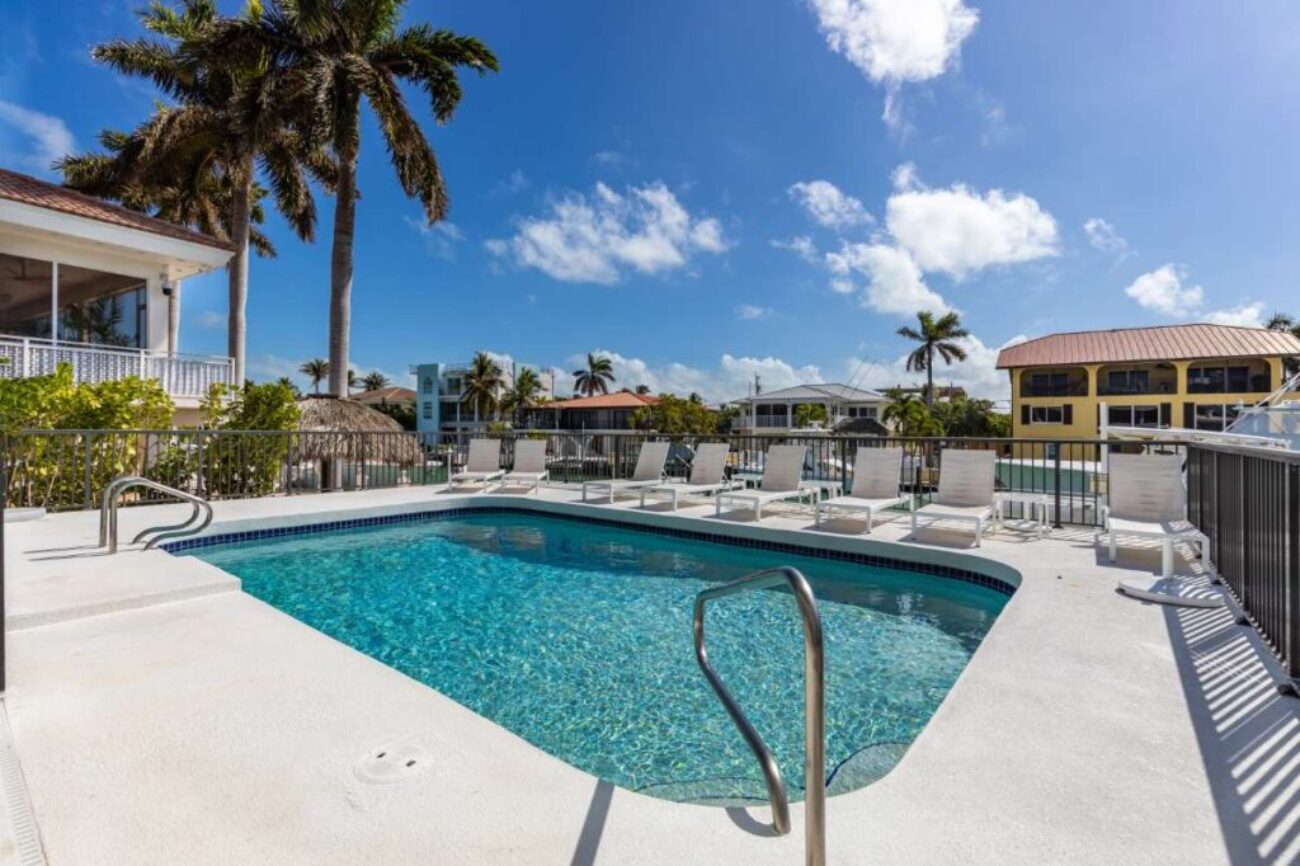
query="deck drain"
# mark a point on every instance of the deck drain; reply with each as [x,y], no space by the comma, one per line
[389,764]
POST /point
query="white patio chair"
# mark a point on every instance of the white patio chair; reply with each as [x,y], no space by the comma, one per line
[648,472]
[876,474]
[1146,499]
[708,475]
[529,470]
[483,466]
[782,471]
[966,481]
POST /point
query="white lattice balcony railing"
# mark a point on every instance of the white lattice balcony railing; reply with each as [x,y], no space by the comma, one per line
[180,375]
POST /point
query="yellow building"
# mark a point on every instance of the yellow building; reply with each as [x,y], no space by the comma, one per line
[1192,376]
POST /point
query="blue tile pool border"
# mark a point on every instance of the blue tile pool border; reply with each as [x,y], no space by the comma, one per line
[961,574]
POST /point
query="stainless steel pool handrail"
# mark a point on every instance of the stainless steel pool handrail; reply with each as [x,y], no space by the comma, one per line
[108,513]
[814,707]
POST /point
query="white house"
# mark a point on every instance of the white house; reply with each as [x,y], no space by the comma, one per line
[97,286]
[774,412]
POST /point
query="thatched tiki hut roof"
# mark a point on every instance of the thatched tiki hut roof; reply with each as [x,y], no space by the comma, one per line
[332,429]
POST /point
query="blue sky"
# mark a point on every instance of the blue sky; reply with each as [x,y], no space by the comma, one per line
[709,190]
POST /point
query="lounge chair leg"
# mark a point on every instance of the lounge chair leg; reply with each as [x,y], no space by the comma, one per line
[1205,554]
[979,532]
[1112,545]
[758,511]
[867,531]
[913,532]
[1167,558]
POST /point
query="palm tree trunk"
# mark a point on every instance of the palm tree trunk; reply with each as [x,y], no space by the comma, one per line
[237,271]
[345,215]
[929,377]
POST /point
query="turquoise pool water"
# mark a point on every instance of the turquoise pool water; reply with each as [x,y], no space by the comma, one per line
[577,637]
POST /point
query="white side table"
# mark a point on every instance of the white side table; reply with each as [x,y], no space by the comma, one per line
[1036,503]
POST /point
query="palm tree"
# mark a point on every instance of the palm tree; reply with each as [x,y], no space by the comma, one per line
[373,381]
[286,382]
[342,52]
[934,335]
[642,390]
[483,385]
[597,377]
[1282,322]
[230,118]
[908,416]
[317,370]
[353,381]
[524,395]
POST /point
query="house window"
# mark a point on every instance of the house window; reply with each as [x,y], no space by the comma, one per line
[453,385]
[867,412]
[1134,416]
[1218,380]
[1046,414]
[428,384]
[427,411]
[1128,381]
[1050,384]
[1214,416]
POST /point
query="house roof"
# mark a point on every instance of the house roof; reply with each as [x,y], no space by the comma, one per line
[818,392]
[390,394]
[1161,343]
[617,400]
[25,189]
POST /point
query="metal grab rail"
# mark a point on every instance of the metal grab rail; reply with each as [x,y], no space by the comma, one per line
[814,707]
[108,513]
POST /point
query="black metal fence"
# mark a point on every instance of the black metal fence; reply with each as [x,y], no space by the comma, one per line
[69,469]
[1247,500]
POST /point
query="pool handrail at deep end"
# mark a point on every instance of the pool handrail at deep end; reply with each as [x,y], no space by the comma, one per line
[814,706]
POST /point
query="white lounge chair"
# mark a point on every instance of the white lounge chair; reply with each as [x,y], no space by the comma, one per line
[483,466]
[708,475]
[876,473]
[529,470]
[1146,499]
[782,471]
[648,472]
[965,491]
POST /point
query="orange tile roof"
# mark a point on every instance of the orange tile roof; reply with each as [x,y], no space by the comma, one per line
[387,394]
[1161,343]
[28,190]
[617,400]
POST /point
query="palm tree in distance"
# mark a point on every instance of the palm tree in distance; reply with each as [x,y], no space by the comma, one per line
[229,117]
[483,385]
[340,53]
[1282,322]
[373,381]
[935,336]
[596,377]
[316,370]
[524,395]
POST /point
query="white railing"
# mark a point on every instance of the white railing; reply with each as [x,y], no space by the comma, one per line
[180,375]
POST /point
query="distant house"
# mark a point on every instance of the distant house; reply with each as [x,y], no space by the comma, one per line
[440,396]
[96,286]
[774,411]
[600,412]
[1195,376]
[392,395]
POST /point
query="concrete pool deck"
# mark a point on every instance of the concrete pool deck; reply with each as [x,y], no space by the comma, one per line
[160,715]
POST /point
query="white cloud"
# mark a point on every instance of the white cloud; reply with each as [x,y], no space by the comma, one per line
[958,230]
[801,245]
[440,238]
[515,182]
[1162,291]
[1102,236]
[1246,315]
[729,380]
[598,238]
[212,320]
[978,374]
[48,137]
[749,312]
[828,205]
[612,158]
[896,41]
[894,282]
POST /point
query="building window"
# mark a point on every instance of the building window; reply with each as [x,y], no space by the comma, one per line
[427,411]
[1218,380]
[1128,382]
[1046,414]
[453,385]
[1214,416]
[868,412]
[428,384]
[1134,416]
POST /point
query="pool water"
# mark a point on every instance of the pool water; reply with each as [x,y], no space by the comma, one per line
[577,637]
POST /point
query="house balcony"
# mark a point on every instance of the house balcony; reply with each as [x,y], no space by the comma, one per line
[185,377]
[1059,382]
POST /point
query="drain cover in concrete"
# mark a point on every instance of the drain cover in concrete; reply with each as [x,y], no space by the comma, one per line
[389,764]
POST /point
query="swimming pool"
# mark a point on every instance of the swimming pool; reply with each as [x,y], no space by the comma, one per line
[577,637]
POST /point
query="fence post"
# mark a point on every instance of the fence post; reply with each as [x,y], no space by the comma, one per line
[89,450]
[1293,572]
[198,472]
[1056,486]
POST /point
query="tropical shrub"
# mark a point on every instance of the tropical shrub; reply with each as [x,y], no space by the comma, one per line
[58,470]
[673,416]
